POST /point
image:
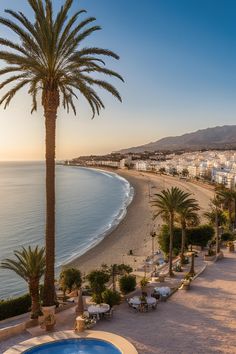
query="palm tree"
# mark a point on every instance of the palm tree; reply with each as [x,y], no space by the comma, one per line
[29,265]
[216,217]
[169,203]
[48,57]
[187,217]
[227,198]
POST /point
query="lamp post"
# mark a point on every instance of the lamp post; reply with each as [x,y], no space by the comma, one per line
[192,255]
[153,235]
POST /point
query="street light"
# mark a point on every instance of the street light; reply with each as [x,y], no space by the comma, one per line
[153,235]
[192,255]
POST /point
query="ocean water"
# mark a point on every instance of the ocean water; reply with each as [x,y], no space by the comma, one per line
[89,203]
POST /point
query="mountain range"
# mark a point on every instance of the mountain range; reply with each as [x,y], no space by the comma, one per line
[223,137]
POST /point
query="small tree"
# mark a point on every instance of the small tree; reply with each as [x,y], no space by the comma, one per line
[116,270]
[97,280]
[217,218]
[185,172]
[111,297]
[164,239]
[70,279]
[162,170]
[127,283]
[29,264]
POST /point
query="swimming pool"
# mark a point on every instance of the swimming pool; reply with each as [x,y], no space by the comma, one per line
[75,346]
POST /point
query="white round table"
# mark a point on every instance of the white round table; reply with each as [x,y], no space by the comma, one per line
[98,309]
[136,300]
[163,290]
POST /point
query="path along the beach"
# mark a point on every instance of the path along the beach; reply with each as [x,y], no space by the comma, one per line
[201,320]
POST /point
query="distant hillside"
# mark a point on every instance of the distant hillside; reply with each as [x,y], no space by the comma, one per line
[210,138]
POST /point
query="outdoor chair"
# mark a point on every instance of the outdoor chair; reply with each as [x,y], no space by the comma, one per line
[136,307]
[143,307]
[128,302]
[164,297]
[154,306]
[109,314]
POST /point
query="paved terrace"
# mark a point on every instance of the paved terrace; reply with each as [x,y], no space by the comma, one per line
[201,320]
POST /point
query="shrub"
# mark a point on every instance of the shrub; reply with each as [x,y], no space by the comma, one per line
[143,282]
[211,252]
[111,297]
[127,283]
[227,236]
[70,279]
[164,239]
[97,280]
[198,236]
[14,307]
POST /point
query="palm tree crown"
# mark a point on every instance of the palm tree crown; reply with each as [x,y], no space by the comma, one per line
[29,265]
[49,57]
[171,201]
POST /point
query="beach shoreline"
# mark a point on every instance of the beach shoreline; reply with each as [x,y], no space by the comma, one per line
[132,233]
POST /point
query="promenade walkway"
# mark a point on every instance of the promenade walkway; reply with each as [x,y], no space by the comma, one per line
[202,320]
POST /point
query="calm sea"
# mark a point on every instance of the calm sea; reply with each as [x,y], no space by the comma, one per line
[89,203]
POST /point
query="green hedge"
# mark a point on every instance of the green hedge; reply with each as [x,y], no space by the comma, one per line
[14,307]
[198,236]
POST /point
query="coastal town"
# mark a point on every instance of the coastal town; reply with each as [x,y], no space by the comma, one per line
[211,166]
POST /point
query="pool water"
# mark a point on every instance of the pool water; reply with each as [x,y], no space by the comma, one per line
[75,346]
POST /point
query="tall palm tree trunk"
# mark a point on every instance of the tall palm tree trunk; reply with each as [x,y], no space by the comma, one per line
[217,233]
[51,101]
[231,223]
[235,212]
[183,237]
[34,294]
[171,244]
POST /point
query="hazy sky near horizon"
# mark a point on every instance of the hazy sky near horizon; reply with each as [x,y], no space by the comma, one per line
[178,58]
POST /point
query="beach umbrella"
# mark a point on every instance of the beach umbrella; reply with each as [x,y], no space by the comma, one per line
[80,305]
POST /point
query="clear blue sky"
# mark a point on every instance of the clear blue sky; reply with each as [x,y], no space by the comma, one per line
[178,58]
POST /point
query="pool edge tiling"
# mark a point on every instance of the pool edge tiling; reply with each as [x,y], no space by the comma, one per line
[119,342]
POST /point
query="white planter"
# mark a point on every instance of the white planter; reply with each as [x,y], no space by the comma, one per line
[49,319]
[80,324]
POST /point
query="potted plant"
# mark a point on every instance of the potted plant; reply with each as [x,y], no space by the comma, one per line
[48,321]
[230,246]
[177,268]
[186,282]
[143,284]
[210,256]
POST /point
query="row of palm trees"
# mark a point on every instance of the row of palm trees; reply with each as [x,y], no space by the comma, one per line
[175,205]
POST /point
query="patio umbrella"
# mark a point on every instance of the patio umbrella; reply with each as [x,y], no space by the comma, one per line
[80,305]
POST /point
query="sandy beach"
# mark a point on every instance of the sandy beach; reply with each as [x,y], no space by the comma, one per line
[133,232]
